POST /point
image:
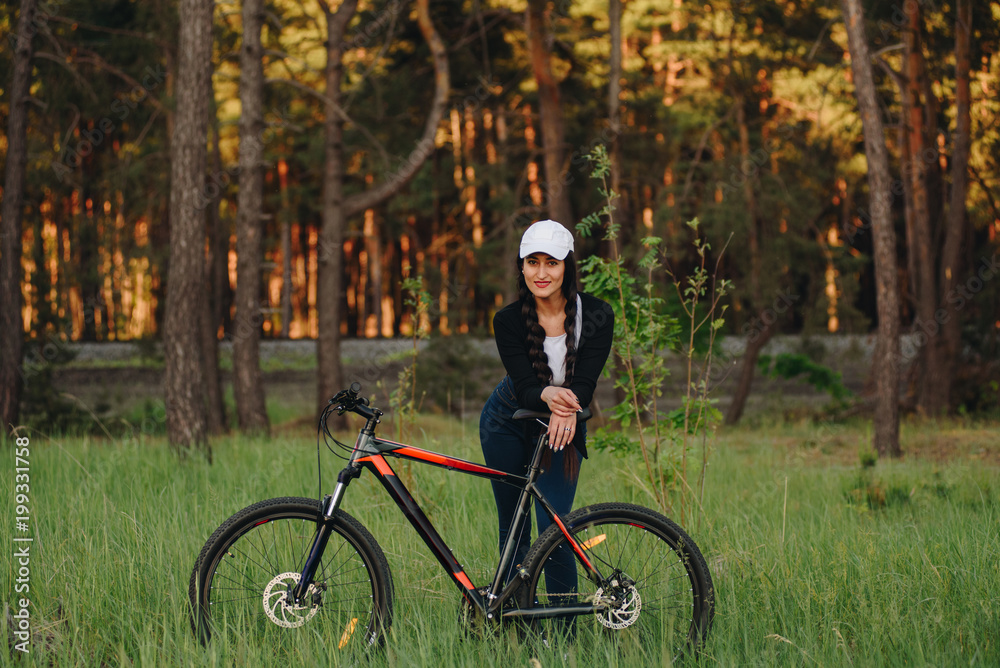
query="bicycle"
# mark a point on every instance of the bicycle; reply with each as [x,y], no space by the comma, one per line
[290,562]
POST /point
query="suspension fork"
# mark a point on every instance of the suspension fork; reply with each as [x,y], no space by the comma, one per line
[324,525]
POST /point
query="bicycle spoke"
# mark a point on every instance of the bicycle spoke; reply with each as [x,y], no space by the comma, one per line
[245,573]
[652,584]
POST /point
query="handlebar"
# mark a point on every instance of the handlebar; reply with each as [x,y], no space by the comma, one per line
[349,400]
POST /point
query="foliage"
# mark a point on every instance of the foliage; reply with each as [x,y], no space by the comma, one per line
[794,365]
[403,400]
[643,332]
[462,374]
[97,184]
[43,406]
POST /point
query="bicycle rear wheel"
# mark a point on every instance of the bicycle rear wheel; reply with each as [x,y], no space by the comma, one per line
[241,578]
[656,582]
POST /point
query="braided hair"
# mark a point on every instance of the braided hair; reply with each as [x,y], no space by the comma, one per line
[536,339]
[536,335]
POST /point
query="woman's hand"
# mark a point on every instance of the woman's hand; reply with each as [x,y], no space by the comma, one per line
[561,431]
[564,405]
[562,401]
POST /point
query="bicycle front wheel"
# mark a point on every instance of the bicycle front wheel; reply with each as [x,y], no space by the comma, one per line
[657,588]
[248,566]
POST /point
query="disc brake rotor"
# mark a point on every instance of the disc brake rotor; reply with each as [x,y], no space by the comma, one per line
[625,610]
[277,607]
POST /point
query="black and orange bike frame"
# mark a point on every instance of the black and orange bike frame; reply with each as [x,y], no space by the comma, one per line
[370,452]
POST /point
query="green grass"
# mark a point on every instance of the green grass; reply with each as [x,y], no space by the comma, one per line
[816,561]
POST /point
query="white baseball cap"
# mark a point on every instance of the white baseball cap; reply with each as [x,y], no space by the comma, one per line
[547,236]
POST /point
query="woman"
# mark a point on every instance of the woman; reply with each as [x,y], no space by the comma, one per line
[553,342]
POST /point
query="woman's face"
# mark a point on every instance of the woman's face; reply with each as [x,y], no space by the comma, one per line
[544,275]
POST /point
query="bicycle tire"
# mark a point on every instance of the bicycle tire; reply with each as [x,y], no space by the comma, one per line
[247,564]
[658,572]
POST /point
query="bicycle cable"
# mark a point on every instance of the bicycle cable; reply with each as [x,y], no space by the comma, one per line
[324,431]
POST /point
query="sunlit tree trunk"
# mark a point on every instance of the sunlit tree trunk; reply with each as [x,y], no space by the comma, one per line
[248,388]
[885,365]
[373,249]
[11,322]
[286,252]
[184,378]
[550,113]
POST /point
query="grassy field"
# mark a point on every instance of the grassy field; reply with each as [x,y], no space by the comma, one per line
[816,560]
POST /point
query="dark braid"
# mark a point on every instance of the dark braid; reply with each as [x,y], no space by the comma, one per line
[536,335]
[569,290]
[536,353]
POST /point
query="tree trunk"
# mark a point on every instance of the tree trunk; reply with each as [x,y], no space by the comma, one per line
[11,321]
[759,338]
[549,112]
[216,257]
[184,378]
[215,409]
[932,375]
[88,251]
[331,236]
[510,270]
[424,148]
[248,388]
[373,249]
[951,255]
[286,252]
[219,243]
[885,366]
[755,343]
[337,209]
[909,294]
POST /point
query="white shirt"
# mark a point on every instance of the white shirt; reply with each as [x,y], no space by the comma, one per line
[555,347]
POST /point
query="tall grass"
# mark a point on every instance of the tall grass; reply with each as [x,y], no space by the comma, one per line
[816,560]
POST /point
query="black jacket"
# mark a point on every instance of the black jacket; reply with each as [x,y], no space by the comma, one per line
[595,344]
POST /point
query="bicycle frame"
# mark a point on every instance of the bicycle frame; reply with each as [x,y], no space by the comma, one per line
[370,453]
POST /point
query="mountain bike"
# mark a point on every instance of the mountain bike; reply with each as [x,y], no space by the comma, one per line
[291,563]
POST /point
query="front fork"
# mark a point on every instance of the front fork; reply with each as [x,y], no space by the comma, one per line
[324,525]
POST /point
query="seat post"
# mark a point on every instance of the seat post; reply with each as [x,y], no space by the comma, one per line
[534,468]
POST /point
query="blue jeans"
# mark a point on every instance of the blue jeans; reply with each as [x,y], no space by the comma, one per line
[508,445]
